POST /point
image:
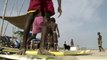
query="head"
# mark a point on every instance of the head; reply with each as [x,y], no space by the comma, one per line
[53,19]
[64,42]
[98,33]
[71,39]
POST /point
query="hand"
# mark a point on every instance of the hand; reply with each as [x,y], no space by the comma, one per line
[60,11]
[58,35]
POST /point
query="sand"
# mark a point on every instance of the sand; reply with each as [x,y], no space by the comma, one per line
[93,55]
[97,53]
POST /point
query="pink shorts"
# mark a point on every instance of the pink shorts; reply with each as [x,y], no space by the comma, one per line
[37,25]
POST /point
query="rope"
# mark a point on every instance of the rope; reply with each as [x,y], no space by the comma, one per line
[7,22]
[4,11]
[21,7]
[17,13]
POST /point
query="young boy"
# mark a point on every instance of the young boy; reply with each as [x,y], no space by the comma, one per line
[56,33]
[38,8]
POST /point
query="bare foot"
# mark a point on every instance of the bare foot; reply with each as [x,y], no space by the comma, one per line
[44,52]
[21,52]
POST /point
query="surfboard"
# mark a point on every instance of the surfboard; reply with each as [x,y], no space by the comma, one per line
[82,52]
[35,52]
[26,57]
[56,53]
[7,49]
[59,53]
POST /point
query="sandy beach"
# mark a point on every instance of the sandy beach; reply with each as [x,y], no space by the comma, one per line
[93,55]
[97,53]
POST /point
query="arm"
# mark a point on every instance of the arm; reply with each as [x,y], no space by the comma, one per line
[57,30]
[59,8]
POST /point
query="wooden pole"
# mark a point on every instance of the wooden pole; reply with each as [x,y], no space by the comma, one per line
[4,11]
[7,22]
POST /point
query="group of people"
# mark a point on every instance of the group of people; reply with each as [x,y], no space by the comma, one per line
[51,40]
[52,35]
[39,10]
[101,49]
[67,47]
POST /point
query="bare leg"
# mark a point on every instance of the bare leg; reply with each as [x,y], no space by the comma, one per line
[99,48]
[43,36]
[102,49]
[28,24]
[55,41]
[29,40]
[42,49]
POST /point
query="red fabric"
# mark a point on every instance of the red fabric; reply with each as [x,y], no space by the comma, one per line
[43,5]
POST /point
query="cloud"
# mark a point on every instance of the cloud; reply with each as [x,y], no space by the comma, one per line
[76,13]
[77,20]
[83,10]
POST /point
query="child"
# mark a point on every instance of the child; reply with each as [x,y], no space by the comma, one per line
[55,32]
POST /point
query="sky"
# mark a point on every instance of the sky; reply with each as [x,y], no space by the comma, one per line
[80,20]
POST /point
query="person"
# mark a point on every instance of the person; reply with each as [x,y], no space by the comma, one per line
[48,40]
[55,32]
[66,47]
[100,42]
[38,8]
[72,43]
[37,28]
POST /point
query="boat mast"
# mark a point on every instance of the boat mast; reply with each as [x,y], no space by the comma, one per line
[4,11]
